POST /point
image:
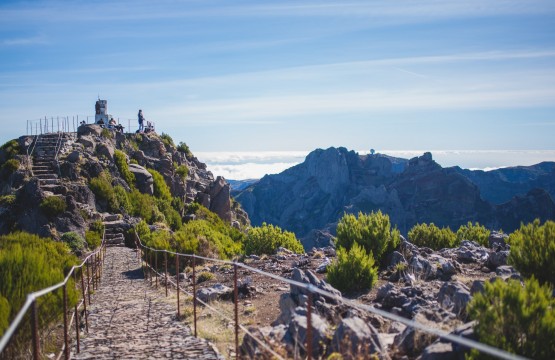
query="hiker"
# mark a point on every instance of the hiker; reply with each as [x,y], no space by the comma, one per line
[112,123]
[141,120]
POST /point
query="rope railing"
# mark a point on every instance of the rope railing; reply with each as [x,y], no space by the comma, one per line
[311,289]
[93,264]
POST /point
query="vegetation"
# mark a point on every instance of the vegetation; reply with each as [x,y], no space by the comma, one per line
[29,263]
[121,162]
[167,140]
[371,231]
[474,232]
[182,171]
[11,166]
[184,148]
[7,200]
[533,251]
[161,189]
[122,199]
[266,239]
[517,319]
[353,270]
[433,237]
[204,276]
[75,242]
[10,149]
[106,133]
[53,206]
[93,236]
[102,188]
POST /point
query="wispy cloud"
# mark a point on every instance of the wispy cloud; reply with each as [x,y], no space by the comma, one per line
[24,41]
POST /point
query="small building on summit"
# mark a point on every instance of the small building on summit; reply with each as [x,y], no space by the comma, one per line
[101,112]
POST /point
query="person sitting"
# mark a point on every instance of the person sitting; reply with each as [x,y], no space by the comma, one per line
[119,128]
[111,123]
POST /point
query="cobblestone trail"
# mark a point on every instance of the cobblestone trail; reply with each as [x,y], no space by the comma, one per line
[129,319]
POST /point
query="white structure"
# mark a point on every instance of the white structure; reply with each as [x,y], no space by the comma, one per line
[101,112]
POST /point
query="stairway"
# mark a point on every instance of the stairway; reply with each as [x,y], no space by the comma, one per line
[44,162]
[114,227]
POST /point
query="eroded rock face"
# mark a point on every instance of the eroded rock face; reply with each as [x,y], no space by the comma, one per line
[144,180]
[311,197]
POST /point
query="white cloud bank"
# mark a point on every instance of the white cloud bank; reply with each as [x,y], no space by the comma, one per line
[254,165]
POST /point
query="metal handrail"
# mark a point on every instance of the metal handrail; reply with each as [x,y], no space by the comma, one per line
[502,354]
[97,259]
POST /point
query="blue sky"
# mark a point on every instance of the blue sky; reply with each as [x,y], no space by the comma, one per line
[257,76]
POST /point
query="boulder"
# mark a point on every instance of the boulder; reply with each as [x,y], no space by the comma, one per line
[220,199]
[144,180]
[295,337]
[397,258]
[454,296]
[308,277]
[89,129]
[251,349]
[497,258]
[214,292]
[74,157]
[506,272]
[497,239]
[411,341]
[439,351]
[356,338]
[106,149]
[87,142]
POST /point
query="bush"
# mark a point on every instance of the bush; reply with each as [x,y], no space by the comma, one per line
[203,238]
[7,200]
[371,231]
[204,276]
[182,171]
[533,251]
[53,206]
[29,263]
[75,242]
[171,216]
[474,232]
[11,149]
[93,239]
[121,162]
[122,199]
[11,166]
[4,314]
[102,188]
[184,148]
[167,140]
[433,237]
[353,270]
[266,239]
[161,189]
[518,319]
[106,133]
[143,205]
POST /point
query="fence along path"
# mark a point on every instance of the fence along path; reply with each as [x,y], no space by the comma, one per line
[129,319]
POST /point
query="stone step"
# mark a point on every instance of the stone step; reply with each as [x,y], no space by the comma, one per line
[46,176]
[49,182]
[41,171]
[54,188]
[111,217]
[113,224]
[41,167]
[116,236]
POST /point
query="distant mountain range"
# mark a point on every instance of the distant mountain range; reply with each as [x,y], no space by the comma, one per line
[311,197]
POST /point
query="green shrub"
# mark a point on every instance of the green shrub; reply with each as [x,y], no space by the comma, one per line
[93,239]
[266,239]
[106,133]
[121,162]
[205,239]
[182,171]
[518,319]
[75,242]
[171,216]
[143,205]
[371,231]
[29,263]
[167,140]
[474,232]
[161,189]
[533,251]
[4,314]
[184,148]
[353,270]
[433,237]
[122,198]
[11,166]
[11,149]
[102,188]
[204,276]
[7,200]
[53,206]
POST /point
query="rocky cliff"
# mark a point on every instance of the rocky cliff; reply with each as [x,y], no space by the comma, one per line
[63,166]
[310,198]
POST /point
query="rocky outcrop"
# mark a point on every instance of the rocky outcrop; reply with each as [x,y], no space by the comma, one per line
[310,198]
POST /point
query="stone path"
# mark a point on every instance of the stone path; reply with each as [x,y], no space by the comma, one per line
[128,319]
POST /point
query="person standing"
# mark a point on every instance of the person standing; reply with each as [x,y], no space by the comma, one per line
[141,121]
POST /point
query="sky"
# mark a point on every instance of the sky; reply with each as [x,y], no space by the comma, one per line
[267,77]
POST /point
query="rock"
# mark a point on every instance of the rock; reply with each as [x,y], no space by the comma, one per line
[213,293]
[397,258]
[250,348]
[74,157]
[466,331]
[384,291]
[287,308]
[323,267]
[356,338]
[439,351]
[497,258]
[89,129]
[471,252]
[219,194]
[454,296]
[477,287]
[411,341]
[87,141]
[506,272]
[497,239]
[295,337]
[143,179]
[106,149]
[308,277]
[422,268]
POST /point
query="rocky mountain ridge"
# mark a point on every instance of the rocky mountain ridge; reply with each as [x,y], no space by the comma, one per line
[309,198]
[70,161]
